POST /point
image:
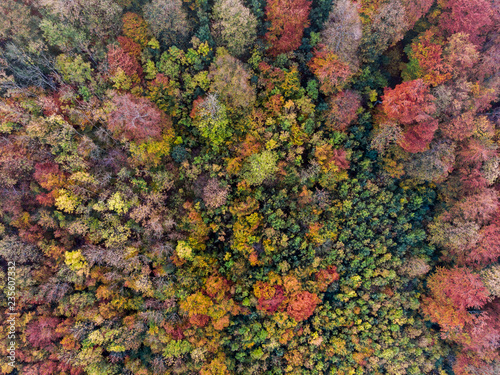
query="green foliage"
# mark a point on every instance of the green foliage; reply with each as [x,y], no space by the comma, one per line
[172,209]
[212,121]
[260,167]
[74,71]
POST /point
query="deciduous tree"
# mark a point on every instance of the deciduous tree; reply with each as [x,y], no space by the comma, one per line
[288,20]
[136,119]
[234,26]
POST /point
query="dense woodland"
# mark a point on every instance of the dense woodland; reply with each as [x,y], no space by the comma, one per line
[250,186]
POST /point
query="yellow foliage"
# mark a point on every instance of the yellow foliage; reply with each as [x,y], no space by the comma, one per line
[75,260]
[184,251]
[67,201]
[150,152]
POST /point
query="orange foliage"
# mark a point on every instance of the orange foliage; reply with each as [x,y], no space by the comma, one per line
[135,28]
[301,305]
[325,277]
[288,19]
[332,73]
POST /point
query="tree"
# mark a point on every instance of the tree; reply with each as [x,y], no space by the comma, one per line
[459,128]
[119,59]
[426,61]
[452,292]
[234,26]
[136,119]
[343,108]
[288,20]
[167,21]
[15,20]
[408,102]
[42,332]
[332,73]
[215,195]
[411,104]
[473,17]
[302,305]
[415,9]
[417,137]
[460,54]
[260,167]
[387,27]
[210,117]
[434,164]
[343,30]
[81,25]
[231,82]
[487,249]
[135,28]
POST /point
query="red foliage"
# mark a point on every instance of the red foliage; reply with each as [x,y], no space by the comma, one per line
[199,320]
[414,9]
[273,303]
[480,342]
[473,180]
[217,287]
[460,127]
[119,58]
[331,72]
[340,158]
[417,137]
[408,102]
[488,246]
[343,110]
[136,119]
[301,305]
[42,333]
[430,59]
[476,151]
[411,104]
[326,277]
[196,103]
[459,286]
[288,20]
[480,207]
[49,176]
[474,17]
[129,46]
[51,105]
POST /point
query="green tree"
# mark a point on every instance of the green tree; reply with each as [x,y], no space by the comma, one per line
[234,26]
[260,167]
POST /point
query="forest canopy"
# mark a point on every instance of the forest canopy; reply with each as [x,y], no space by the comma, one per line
[249,187]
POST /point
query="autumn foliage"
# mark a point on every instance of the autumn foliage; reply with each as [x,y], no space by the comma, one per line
[331,72]
[250,187]
[136,119]
[288,20]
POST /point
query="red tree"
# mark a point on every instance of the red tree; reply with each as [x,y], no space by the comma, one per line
[330,71]
[453,291]
[130,46]
[474,17]
[301,305]
[417,137]
[488,247]
[43,333]
[343,110]
[288,20]
[136,119]
[408,102]
[119,58]
[411,104]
